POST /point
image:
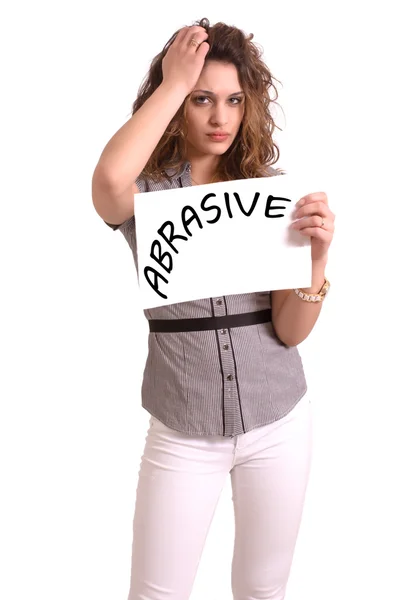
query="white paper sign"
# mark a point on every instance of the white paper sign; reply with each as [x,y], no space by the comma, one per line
[219,239]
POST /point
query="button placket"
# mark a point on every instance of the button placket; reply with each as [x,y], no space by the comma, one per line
[219,307]
[231,400]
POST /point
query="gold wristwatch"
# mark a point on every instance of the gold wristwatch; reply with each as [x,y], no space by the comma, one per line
[314,297]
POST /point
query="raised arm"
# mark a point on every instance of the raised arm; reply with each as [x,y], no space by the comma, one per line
[128,151]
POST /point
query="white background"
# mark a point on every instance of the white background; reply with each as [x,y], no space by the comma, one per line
[73,338]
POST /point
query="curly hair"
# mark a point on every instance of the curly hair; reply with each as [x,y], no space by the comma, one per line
[253,149]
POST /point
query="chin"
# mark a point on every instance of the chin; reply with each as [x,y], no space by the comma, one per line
[217,149]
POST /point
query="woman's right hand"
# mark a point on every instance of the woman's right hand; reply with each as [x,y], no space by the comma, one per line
[184,60]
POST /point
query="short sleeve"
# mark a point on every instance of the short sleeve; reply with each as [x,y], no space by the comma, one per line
[143,187]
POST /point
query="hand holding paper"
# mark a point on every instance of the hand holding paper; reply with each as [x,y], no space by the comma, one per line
[317,221]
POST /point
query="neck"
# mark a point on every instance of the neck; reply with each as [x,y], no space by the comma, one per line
[203,168]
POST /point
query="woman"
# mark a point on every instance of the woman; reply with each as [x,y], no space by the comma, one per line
[223,381]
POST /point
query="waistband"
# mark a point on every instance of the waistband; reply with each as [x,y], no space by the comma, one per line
[207,323]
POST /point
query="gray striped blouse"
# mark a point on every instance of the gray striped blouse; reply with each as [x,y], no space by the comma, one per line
[215,382]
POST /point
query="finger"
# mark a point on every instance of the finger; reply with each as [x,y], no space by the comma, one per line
[314,208]
[202,50]
[318,233]
[314,221]
[314,197]
[196,41]
[180,36]
[196,32]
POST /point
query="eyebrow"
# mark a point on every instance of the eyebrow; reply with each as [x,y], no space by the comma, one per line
[212,93]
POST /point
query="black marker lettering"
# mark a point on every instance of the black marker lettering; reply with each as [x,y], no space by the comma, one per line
[154,284]
[256,197]
[268,206]
[228,207]
[160,257]
[194,216]
[153,276]
[204,207]
[172,236]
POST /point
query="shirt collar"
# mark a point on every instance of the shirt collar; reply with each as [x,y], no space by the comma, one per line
[176,175]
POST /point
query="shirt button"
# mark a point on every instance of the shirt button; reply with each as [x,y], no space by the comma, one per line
[225,346]
[223,331]
[219,302]
[229,377]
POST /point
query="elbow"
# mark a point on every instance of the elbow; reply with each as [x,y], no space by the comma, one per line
[289,343]
[280,335]
[285,340]
[288,340]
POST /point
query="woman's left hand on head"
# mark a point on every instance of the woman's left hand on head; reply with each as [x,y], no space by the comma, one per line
[317,221]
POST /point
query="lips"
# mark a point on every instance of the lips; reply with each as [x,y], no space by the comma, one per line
[218,137]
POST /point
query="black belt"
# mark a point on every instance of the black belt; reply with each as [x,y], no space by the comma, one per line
[204,323]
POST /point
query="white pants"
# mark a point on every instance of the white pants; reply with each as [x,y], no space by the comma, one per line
[180,482]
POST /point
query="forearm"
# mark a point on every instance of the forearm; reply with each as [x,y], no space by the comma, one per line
[128,151]
[296,317]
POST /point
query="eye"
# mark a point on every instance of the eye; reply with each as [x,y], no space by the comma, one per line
[199,99]
[238,100]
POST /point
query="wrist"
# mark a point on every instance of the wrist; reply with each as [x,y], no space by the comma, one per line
[320,263]
[318,277]
[179,90]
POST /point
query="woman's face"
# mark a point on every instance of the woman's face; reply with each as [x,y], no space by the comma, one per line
[216,106]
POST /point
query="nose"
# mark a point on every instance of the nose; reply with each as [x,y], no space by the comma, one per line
[219,116]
